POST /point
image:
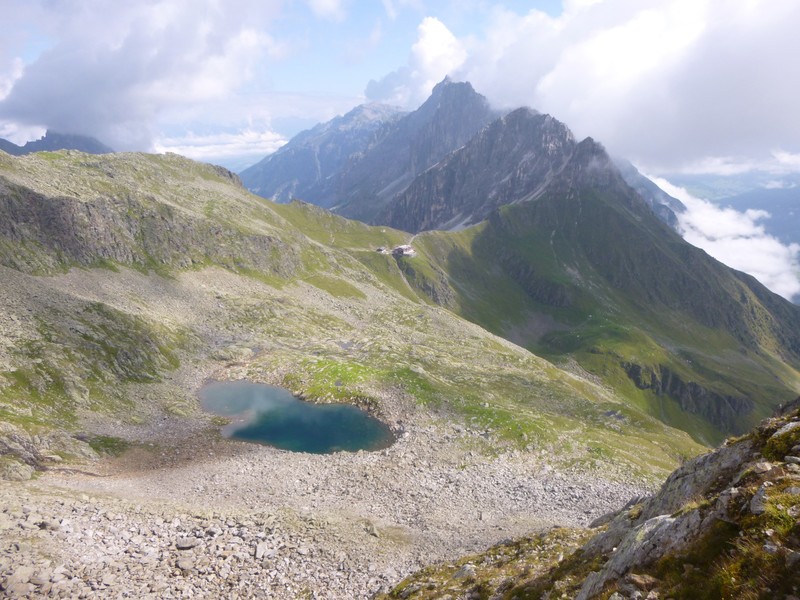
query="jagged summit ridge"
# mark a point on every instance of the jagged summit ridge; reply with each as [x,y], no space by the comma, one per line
[307,166]
[52,141]
[511,160]
[376,162]
[446,165]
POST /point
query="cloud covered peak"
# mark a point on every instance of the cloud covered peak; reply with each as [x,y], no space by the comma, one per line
[112,78]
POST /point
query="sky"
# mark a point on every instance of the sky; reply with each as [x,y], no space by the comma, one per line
[689,86]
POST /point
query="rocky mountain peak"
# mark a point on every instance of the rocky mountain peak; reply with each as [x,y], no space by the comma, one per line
[52,141]
[511,160]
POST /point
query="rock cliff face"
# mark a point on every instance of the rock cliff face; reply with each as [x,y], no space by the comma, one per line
[309,166]
[724,525]
[446,121]
[358,163]
[512,160]
[726,410]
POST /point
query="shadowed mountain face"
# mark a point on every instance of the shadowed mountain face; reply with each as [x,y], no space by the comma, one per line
[356,165]
[53,141]
[446,165]
[512,160]
[309,166]
[586,271]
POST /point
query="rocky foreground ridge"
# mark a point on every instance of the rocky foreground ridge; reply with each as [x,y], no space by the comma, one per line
[723,525]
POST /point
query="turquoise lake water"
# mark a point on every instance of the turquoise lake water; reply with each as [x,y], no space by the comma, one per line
[270,415]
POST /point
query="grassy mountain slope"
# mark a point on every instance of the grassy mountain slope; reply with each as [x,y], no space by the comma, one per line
[131,277]
[587,272]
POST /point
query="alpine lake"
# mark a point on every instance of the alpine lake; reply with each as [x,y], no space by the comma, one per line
[271,415]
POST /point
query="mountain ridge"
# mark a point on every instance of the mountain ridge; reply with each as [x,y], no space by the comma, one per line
[620,289]
[52,141]
[386,159]
[329,146]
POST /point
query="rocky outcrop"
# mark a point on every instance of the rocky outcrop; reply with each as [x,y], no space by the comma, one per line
[22,452]
[511,160]
[723,525]
[724,411]
[50,233]
[730,485]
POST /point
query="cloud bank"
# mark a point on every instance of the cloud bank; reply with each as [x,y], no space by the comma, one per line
[112,76]
[666,83]
[435,54]
[739,240]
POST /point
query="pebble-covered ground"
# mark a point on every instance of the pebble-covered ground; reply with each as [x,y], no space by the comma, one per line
[209,517]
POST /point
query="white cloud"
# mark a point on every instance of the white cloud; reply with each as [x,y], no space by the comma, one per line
[328,9]
[223,147]
[666,83]
[12,73]
[114,68]
[392,7]
[435,54]
[776,162]
[739,240]
[391,10]
[777,184]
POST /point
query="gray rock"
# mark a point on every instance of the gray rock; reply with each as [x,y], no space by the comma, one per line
[14,470]
[187,543]
[19,590]
[758,504]
[771,548]
[762,467]
[21,574]
[185,564]
[260,551]
[465,572]
[795,460]
[40,578]
[792,559]
[786,429]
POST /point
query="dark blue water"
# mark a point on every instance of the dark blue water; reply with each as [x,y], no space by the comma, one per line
[270,415]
